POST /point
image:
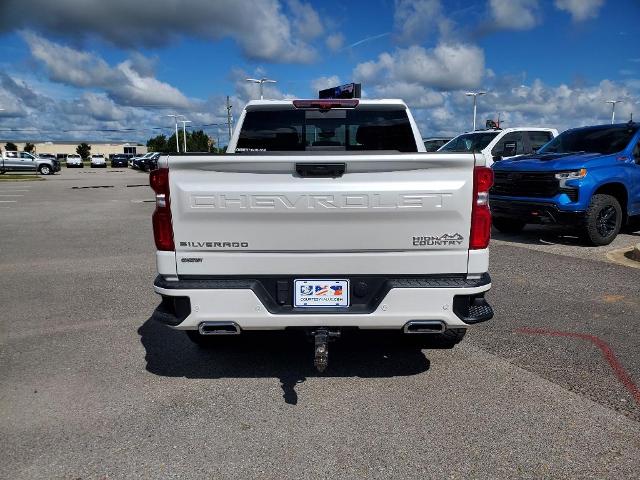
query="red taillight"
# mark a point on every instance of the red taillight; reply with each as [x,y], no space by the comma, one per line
[326,104]
[162,229]
[480,213]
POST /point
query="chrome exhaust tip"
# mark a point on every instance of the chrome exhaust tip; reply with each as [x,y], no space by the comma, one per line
[425,326]
[219,328]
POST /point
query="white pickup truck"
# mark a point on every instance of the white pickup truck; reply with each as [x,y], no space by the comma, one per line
[323,215]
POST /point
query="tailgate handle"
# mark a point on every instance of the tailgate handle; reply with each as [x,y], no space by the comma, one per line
[316,170]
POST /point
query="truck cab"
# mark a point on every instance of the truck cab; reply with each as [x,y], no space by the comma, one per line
[497,144]
[586,178]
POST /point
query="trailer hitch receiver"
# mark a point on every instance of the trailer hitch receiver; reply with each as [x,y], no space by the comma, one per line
[321,339]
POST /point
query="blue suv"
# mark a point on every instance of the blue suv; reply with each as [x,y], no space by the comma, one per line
[588,178]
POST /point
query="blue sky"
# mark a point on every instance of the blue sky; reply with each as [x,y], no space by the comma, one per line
[89,69]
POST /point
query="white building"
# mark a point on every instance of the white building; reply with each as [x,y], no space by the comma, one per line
[65,147]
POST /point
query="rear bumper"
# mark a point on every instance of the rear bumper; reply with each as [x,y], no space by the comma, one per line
[535,212]
[252,305]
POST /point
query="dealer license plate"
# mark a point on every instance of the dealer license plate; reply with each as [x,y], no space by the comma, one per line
[321,293]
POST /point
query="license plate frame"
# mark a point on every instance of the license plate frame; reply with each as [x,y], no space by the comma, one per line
[321,293]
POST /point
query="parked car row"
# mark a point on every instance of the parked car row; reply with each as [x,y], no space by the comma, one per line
[146,162]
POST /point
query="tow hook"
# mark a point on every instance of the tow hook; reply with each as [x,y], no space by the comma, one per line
[321,338]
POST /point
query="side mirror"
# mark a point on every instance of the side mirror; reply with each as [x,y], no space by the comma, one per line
[497,158]
[510,149]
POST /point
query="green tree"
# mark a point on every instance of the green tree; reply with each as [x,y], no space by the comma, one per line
[29,147]
[158,144]
[84,150]
[199,141]
[11,147]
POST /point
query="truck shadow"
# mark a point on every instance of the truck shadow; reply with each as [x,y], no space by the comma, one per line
[286,356]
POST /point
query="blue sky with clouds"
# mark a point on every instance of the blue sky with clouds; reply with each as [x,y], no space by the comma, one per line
[90,69]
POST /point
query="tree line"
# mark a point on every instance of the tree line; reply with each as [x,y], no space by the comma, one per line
[197,141]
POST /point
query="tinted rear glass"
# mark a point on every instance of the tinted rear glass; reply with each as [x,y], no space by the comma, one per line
[336,129]
[604,140]
[469,142]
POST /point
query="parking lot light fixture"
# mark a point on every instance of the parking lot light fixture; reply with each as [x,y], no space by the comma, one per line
[475,97]
[261,81]
[175,117]
[613,109]
[184,134]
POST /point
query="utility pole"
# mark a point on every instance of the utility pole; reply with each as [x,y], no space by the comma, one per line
[475,97]
[613,109]
[184,134]
[229,117]
[175,117]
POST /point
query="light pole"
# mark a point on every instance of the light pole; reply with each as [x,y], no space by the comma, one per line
[184,134]
[613,109]
[475,97]
[175,117]
[260,81]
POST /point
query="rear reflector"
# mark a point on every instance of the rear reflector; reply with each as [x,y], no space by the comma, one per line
[326,104]
[162,228]
[480,213]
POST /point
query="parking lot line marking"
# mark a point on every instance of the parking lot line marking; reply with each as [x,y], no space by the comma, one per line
[3,195]
[607,353]
[8,201]
[3,190]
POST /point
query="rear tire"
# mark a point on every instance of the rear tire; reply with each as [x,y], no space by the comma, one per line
[603,220]
[508,225]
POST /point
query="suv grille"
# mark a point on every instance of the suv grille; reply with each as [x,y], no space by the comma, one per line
[525,184]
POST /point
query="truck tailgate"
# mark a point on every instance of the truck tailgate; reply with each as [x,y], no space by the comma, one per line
[243,213]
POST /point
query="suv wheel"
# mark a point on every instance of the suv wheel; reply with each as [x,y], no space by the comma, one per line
[603,220]
[508,225]
[45,170]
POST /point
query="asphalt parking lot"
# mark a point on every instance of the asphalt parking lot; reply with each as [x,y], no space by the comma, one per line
[91,388]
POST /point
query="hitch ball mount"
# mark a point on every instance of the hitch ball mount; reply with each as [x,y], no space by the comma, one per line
[322,337]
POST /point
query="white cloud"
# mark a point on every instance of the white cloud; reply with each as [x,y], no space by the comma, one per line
[124,83]
[448,66]
[580,10]
[515,14]
[416,20]
[413,94]
[262,28]
[306,21]
[335,41]
[324,82]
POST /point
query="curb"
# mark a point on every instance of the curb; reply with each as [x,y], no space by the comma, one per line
[635,253]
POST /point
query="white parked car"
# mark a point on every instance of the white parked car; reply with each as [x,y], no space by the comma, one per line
[497,144]
[74,161]
[98,161]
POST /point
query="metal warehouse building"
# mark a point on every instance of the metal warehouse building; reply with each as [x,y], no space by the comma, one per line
[65,147]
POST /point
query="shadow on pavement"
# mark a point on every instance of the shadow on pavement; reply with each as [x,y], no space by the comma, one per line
[287,356]
[548,235]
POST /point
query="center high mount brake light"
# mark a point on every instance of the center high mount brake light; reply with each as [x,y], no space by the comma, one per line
[326,104]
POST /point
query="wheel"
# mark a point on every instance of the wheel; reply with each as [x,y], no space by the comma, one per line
[45,170]
[603,220]
[508,225]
